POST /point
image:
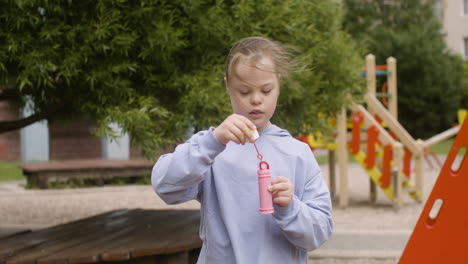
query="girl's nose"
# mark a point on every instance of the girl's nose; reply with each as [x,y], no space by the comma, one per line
[256,99]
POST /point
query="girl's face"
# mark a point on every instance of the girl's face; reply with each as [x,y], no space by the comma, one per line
[254,91]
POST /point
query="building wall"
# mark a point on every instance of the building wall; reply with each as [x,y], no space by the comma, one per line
[70,140]
[73,140]
[135,153]
[9,141]
[455,25]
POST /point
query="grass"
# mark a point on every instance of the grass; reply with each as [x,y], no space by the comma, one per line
[9,171]
[322,159]
[443,147]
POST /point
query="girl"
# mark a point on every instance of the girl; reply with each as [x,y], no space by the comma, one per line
[218,167]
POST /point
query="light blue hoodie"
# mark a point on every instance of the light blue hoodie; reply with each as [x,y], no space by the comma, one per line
[223,178]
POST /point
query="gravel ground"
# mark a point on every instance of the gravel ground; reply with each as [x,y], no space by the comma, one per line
[361,214]
[41,208]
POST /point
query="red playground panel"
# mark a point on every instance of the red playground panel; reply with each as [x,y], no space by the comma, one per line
[441,233]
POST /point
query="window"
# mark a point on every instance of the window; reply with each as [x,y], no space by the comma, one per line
[438,8]
[466,48]
[465,7]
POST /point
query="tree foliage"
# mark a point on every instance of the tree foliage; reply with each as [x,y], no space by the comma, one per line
[156,67]
[464,100]
[429,75]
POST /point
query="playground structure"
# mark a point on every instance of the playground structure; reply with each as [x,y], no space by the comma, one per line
[388,173]
[440,235]
[389,150]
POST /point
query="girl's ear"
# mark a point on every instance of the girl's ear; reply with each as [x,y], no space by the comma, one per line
[279,84]
[226,84]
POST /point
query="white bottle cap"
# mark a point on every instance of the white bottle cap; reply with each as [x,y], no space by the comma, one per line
[255,133]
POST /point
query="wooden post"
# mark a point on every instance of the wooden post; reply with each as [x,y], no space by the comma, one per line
[372,191]
[371,87]
[392,87]
[374,106]
[398,174]
[332,174]
[440,137]
[343,158]
[370,73]
[419,171]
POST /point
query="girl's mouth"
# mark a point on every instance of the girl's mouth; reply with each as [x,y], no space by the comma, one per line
[255,113]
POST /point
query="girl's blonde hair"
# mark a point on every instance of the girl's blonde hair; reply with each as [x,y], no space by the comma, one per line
[252,50]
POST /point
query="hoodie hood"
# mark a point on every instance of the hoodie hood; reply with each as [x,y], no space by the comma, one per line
[273,130]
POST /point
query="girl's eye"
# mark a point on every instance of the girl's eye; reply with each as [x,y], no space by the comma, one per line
[243,93]
[267,91]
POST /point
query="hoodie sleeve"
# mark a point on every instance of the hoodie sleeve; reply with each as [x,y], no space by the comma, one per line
[306,221]
[176,176]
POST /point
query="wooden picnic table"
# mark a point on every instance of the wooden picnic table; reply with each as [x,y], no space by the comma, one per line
[131,236]
[41,173]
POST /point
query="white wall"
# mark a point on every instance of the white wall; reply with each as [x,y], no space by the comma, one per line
[118,148]
[34,138]
[455,24]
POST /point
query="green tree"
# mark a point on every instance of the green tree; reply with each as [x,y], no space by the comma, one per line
[464,101]
[156,67]
[429,76]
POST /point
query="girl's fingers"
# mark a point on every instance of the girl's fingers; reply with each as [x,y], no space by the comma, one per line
[244,128]
[235,128]
[231,137]
[238,134]
[279,179]
[245,125]
[279,187]
[282,194]
[282,201]
[247,122]
[231,132]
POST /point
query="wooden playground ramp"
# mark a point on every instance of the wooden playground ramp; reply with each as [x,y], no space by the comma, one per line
[122,236]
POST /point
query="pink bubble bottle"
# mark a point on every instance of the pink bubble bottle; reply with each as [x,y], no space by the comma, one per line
[264,181]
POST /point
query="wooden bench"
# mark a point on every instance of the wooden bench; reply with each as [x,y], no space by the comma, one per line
[40,173]
[125,236]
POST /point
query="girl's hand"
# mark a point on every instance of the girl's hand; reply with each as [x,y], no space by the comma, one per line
[234,128]
[281,190]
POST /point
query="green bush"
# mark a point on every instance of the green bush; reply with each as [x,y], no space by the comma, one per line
[464,100]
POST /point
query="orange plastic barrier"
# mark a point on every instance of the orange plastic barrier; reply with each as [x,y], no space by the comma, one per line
[378,67]
[372,135]
[357,118]
[427,153]
[305,140]
[441,233]
[407,163]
